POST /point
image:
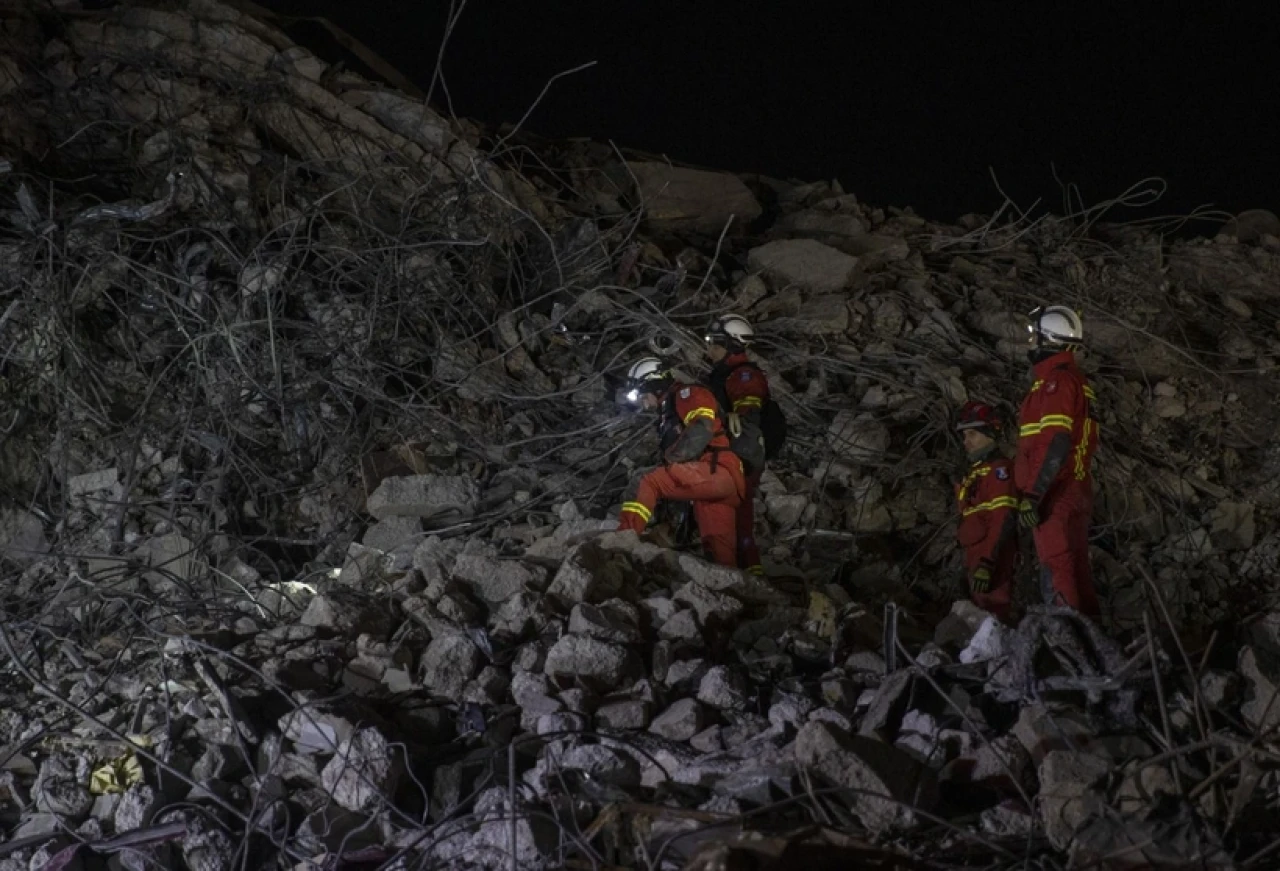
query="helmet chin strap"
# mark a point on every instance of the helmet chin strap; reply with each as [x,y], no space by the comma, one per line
[981,453]
[1042,352]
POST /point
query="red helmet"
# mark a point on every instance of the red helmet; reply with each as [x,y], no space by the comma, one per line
[979,415]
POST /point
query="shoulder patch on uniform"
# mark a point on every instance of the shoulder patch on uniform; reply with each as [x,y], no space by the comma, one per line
[1002,473]
[1051,387]
[684,393]
[745,376]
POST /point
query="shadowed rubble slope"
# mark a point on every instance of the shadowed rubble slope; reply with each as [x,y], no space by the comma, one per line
[310,429]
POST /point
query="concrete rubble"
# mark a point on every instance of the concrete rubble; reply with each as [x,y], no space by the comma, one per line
[307,497]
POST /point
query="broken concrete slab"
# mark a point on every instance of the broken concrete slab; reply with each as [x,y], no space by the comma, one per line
[707,603]
[495,580]
[623,715]
[889,782]
[1068,797]
[723,688]
[448,663]
[811,265]
[614,620]
[680,722]
[859,437]
[362,774]
[437,499]
[679,198]
[22,537]
[584,657]
[1261,706]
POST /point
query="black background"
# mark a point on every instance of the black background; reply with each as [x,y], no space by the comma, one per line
[907,104]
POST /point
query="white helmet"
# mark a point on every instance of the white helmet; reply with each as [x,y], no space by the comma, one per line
[1055,325]
[646,376]
[730,329]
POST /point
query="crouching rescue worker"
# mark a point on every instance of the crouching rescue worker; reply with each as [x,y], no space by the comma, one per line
[1057,438]
[742,390]
[698,465]
[987,502]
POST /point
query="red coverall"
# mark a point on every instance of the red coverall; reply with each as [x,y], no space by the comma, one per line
[699,467]
[1057,438]
[743,389]
[988,531]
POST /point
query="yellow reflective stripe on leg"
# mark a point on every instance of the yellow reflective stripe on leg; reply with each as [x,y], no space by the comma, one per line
[638,508]
[699,412]
[755,570]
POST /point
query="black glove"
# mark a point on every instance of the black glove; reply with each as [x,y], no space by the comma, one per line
[1029,513]
[980,580]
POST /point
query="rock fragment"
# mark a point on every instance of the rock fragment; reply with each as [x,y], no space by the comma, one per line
[437,499]
[804,262]
[582,656]
[889,782]
[363,772]
[678,198]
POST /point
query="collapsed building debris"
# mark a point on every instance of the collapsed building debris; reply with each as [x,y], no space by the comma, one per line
[310,457]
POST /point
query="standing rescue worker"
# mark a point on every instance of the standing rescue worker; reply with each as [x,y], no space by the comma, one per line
[988,504]
[1057,438]
[698,465]
[742,390]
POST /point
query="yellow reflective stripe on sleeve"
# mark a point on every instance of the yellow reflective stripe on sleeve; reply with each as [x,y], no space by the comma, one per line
[637,508]
[994,504]
[699,412]
[1082,449]
[1088,392]
[1047,422]
[748,402]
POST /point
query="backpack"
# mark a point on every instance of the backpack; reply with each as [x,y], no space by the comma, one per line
[761,442]
[773,427]
[750,447]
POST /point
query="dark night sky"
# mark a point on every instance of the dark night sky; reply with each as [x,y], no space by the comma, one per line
[905,103]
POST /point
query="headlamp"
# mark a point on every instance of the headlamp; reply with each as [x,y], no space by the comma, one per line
[633,395]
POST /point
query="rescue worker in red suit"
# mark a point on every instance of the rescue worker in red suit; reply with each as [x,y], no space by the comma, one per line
[698,465]
[742,390]
[1057,438]
[988,504]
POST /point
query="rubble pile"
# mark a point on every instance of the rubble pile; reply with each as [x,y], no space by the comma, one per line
[640,707]
[311,451]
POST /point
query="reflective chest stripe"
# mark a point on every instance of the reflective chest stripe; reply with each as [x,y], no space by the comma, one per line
[1064,421]
[962,492]
[967,485]
[1088,429]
